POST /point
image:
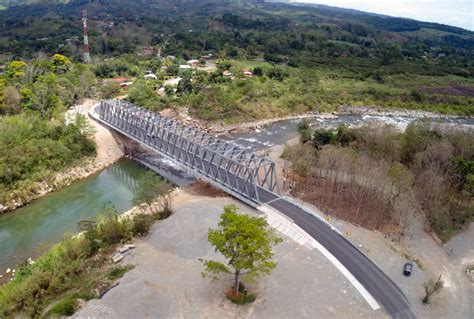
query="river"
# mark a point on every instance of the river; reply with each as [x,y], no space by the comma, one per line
[32,229]
[280,132]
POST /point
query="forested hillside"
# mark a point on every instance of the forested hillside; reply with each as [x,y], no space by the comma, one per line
[239,29]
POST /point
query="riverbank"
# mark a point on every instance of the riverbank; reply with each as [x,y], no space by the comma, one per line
[220,128]
[108,152]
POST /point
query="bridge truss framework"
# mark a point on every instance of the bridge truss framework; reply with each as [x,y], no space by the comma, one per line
[222,163]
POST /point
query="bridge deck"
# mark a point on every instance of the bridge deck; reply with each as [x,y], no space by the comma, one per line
[251,179]
[220,162]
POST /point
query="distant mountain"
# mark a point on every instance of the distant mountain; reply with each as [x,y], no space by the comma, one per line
[237,28]
[11,3]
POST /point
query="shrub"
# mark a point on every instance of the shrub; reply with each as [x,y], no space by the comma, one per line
[242,297]
[303,125]
[51,275]
[142,224]
[322,137]
[112,229]
[65,307]
[118,272]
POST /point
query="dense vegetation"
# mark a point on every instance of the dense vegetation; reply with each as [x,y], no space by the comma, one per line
[378,177]
[35,140]
[240,29]
[317,57]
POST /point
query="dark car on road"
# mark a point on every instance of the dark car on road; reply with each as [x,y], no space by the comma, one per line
[407,269]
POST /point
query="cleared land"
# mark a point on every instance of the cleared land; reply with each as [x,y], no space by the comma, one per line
[167,282]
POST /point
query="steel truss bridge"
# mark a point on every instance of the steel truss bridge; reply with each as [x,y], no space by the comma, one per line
[243,174]
[252,179]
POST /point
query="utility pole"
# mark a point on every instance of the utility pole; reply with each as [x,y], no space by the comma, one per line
[87,55]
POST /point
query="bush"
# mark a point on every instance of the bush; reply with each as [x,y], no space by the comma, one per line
[112,229]
[118,272]
[65,307]
[303,125]
[242,297]
[322,137]
[142,224]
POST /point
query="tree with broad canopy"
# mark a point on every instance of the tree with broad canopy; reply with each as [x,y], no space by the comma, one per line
[246,243]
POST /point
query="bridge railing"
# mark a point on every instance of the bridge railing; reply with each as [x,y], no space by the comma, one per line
[217,160]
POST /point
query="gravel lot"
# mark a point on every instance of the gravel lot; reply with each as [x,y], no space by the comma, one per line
[167,281]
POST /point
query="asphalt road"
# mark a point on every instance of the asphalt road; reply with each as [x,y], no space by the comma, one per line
[379,285]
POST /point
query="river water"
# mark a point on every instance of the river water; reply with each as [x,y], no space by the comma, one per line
[279,133]
[32,229]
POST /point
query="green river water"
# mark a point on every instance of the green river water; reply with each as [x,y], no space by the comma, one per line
[32,229]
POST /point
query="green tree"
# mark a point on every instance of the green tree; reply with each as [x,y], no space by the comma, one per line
[322,137]
[110,90]
[246,243]
[186,84]
[142,94]
[15,69]
[60,63]
[150,187]
[104,70]
[11,101]
[258,71]
[28,99]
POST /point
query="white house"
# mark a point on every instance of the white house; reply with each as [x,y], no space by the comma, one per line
[193,62]
[150,77]
[172,82]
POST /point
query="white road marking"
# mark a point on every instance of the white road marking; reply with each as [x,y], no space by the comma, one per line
[289,228]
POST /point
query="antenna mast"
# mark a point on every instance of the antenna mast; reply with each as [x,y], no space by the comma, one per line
[87,55]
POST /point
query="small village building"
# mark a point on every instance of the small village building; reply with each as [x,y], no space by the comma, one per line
[118,80]
[184,67]
[193,63]
[161,91]
[148,51]
[207,56]
[173,81]
[247,72]
[150,77]
[227,73]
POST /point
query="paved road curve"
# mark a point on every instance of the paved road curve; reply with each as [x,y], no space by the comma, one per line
[379,285]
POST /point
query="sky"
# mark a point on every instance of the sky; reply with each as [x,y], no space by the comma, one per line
[459,13]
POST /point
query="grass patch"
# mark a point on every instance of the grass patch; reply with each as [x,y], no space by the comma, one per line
[65,307]
[118,272]
[68,305]
[242,297]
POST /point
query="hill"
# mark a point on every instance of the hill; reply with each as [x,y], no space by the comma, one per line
[279,32]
